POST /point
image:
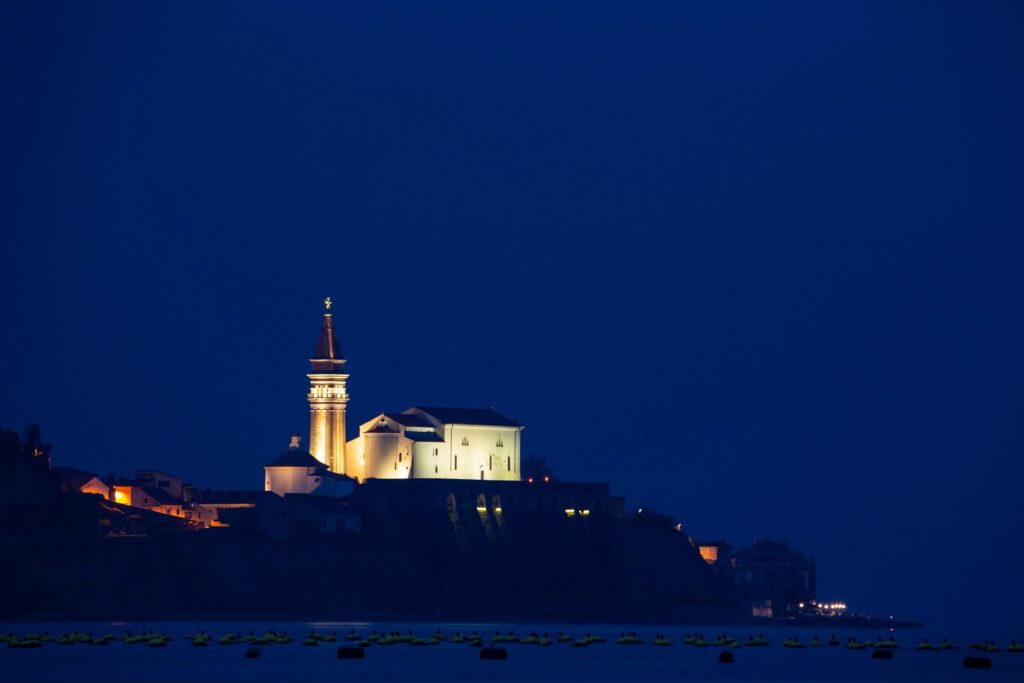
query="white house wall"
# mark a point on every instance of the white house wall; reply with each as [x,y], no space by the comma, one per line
[282,480]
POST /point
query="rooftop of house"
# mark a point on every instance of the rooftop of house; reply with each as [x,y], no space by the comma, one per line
[160,495]
[73,476]
[229,497]
[295,457]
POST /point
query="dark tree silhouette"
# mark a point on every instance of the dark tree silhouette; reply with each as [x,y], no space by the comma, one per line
[536,466]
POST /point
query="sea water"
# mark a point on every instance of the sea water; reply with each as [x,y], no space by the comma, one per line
[180,661]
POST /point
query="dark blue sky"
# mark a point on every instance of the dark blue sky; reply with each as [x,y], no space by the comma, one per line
[758,265]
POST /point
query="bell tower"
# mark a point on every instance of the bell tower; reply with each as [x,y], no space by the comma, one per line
[327,398]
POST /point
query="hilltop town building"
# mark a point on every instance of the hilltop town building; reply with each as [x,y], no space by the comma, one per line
[296,471]
[773,580]
[72,479]
[418,443]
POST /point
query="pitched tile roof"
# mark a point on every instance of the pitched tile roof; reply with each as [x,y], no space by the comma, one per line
[468,416]
[295,457]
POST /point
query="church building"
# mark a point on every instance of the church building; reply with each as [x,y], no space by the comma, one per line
[418,443]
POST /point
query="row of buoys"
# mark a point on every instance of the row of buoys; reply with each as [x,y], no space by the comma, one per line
[271,637]
[878,644]
[925,646]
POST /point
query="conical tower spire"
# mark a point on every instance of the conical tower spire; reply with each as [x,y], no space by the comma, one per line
[327,348]
[328,397]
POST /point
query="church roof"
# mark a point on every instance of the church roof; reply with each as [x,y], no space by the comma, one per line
[381,429]
[295,457]
[469,416]
[407,420]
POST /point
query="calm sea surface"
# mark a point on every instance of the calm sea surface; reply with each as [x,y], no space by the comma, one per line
[459,662]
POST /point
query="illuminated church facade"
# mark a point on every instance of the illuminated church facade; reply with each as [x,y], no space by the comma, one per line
[418,443]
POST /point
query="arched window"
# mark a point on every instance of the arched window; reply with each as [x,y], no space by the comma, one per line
[453,510]
[465,441]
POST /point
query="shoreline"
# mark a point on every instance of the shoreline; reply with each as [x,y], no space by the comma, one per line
[482,618]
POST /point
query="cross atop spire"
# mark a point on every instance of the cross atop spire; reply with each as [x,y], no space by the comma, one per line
[327,304]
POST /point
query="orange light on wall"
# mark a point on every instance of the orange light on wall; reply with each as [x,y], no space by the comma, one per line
[709,553]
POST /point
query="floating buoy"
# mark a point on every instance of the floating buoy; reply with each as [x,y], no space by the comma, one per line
[345,652]
[726,657]
[253,653]
[494,653]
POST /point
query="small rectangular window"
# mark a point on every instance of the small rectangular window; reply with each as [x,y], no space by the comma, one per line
[456,462]
[508,465]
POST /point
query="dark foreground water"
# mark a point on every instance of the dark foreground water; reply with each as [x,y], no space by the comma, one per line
[180,661]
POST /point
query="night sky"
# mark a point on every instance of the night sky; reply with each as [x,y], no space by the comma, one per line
[757,265]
